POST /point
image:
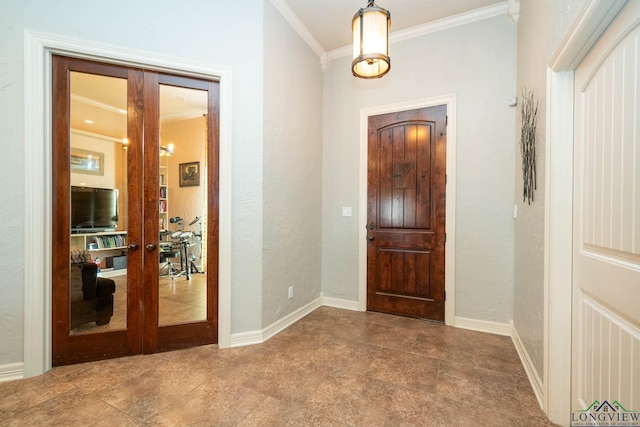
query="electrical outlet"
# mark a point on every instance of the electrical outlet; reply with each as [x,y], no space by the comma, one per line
[290,292]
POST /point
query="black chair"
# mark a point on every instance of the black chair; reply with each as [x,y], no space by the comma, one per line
[91,296]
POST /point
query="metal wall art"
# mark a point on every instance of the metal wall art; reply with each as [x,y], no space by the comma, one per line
[529,110]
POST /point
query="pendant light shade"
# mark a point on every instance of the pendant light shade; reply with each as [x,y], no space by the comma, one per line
[370,28]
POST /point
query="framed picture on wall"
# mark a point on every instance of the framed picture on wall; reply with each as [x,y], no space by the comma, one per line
[189,174]
[85,161]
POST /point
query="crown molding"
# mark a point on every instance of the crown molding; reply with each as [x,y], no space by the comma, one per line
[583,33]
[302,30]
[434,26]
[514,10]
[96,135]
[184,115]
[510,7]
[343,51]
[450,22]
[94,103]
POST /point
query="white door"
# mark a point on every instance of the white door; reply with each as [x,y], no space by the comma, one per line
[606,234]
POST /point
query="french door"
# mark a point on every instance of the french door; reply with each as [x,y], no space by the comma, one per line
[135,211]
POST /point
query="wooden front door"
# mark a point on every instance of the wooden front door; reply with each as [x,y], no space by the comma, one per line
[122,211]
[406,213]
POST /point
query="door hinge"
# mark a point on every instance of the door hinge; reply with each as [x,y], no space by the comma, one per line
[445,237]
[445,295]
[446,121]
[446,178]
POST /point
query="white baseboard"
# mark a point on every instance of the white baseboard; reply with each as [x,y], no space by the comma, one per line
[258,337]
[290,319]
[11,371]
[507,329]
[483,326]
[534,378]
[340,303]
[241,339]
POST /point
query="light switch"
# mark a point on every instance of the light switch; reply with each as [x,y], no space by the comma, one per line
[346,211]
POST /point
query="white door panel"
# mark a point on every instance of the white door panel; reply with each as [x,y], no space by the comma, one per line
[606,236]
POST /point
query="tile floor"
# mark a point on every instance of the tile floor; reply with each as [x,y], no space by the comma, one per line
[334,367]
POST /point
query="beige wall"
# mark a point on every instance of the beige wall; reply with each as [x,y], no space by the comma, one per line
[112,160]
[292,232]
[541,27]
[216,33]
[476,62]
[188,137]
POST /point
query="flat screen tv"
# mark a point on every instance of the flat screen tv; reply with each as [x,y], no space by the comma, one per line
[93,209]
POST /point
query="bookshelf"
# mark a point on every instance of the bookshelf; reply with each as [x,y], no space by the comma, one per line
[110,247]
[163,195]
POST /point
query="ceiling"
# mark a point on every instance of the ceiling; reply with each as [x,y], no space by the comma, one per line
[99,104]
[329,21]
[102,100]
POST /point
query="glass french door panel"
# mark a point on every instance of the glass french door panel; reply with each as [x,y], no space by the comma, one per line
[182,292]
[98,197]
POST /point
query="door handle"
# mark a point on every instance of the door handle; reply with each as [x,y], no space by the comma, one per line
[132,246]
[150,246]
[371,238]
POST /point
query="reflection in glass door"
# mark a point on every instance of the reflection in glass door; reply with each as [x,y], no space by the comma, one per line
[98,203]
[182,308]
[96,264]
[182,292]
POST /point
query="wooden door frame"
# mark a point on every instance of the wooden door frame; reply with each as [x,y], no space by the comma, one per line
[39,47]
[450,101]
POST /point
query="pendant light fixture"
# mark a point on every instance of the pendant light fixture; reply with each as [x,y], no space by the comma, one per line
[370,29]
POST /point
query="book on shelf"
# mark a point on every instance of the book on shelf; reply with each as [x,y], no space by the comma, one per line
[109,242]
